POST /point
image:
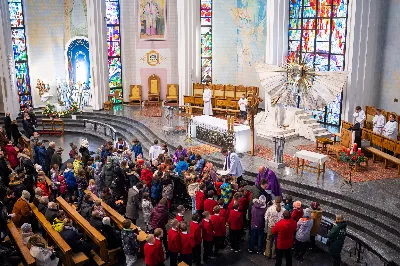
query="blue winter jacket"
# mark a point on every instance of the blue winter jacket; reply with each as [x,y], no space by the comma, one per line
[156,190]
[181,166]
[41,157]
[70,179]
[137,149]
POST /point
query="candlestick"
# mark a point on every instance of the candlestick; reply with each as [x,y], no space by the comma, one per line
[359,152]
[348,152]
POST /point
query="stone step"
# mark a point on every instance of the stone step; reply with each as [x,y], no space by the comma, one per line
[320,130]
[270,135]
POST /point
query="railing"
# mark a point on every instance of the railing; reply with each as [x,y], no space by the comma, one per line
[101,128]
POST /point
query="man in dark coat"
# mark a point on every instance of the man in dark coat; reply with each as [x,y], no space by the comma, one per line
[336,239]
[3,139]
[49,154]
[96,221]
[4,170]
[7,125]
[15,132]
[256,192]
[134,199]
[56,159]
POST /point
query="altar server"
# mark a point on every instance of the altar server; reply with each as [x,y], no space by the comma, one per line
[233,165]
[207,95]
[378,122]
[391,129]
[243,105]
[359,116]
[154,151]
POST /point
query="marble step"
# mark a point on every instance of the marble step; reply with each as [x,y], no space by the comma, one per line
[270,135]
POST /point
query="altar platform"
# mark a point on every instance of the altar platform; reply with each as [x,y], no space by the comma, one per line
[213,130]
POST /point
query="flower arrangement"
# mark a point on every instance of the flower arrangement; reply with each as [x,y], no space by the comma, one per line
[356,158]
[50,110]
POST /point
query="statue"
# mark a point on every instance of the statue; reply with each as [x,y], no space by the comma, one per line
[278,152]
[43,91]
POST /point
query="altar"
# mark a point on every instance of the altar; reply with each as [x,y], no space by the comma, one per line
[215,131]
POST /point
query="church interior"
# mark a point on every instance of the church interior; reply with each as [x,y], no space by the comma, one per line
[146,111]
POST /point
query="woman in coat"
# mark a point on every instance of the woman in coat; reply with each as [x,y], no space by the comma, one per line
[28,126]
[316,216]
[22,211]
[44,256]
[159,215]
[15,132]
[132,206]
[12,154]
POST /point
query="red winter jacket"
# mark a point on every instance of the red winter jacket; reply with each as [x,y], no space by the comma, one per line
[147,175]
[200,201]
[159,248]
[208,234]
[209,205]
[187,243]
[195,232]
[297,214]
[11,155]
[151,256]
[285,229]
[243,205]
[218,187]
[179,218]
[174,240]
[235,220]
[44,188]
[218,222]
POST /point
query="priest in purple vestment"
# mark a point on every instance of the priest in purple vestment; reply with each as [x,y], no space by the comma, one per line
[180,151]
[269,175]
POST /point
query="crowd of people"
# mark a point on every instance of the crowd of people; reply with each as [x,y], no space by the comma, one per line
[223,207]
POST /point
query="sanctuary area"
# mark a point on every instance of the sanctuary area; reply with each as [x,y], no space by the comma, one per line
[206,132]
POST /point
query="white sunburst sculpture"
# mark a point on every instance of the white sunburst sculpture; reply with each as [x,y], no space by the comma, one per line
[284,84]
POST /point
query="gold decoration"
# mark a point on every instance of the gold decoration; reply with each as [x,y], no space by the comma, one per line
[42,88]
[153,58]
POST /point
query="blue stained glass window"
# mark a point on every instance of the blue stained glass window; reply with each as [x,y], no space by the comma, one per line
[206,40]
[114,48]
[318,27]
[18,38]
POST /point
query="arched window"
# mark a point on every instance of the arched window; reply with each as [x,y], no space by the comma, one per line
[206,40]
[317,31]
[114,47]
[20,52]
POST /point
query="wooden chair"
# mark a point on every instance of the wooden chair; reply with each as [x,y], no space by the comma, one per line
[345,141]
[198,89]
[154,89]
[188,100]
[90,231]
[252,90]
[135,97]
[16,235]
[70,258]
[230,91]
[218,91]
[239,91]
[172,93]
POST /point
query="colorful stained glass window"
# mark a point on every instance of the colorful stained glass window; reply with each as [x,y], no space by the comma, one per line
[206,40]
[114,48]
[19,49]
[317,29]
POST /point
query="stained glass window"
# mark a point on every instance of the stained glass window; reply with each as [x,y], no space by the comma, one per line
[206,41]
[114,48]
[317,29]
[19,49]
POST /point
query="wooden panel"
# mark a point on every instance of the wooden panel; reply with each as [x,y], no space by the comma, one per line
[230,91]
[199,101]
[188,100]
[239,91]
[21,246]
[219,90]
[198,89]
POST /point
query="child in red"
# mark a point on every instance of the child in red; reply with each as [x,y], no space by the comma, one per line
[179,215]
[208,236]
[218,222]
[41,183]
[12,154]
[243,204]
[200,199]
[210,203]
[195,233]
[218,185]
[222,212]
[235,199]
[187,244]
[174,243]
[151,257]
[158,234]
[235,221]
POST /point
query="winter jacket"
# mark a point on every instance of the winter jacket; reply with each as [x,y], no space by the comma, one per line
[70,179]
[285,229]
[129,242]
[85,154]
[316,216]
[49,154]
[15,132]
[50,214]
[73,239]
[219,224]
[107,175]
[304,226]
[272,216]
[235,220]
[22,212]
[42,256]
[257,216]
[159,217]
[147,207]
[113,238]
[132,206]
[146,175]
[82,182]
[137,149]
[199,166]
[226,192]
[96,222]
[42,208]
[27,164]
[58,225]
[336,238]
[44,187]
[55,184]
[41,157]
[192,189]
[297,214]
[181,166]
[11,155]
[56,159]
[86,209]
[289,207]
[98,166]
[63,185]
[168,190]
[28,128]
[156,190]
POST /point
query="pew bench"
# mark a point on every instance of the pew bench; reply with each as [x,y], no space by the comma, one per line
[21,246]
[70,258]
[90,231]
[117,218]
[386,157]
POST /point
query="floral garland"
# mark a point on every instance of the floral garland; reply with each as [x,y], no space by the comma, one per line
[50,110]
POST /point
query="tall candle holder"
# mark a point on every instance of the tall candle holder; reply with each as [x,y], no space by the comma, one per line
[188,121]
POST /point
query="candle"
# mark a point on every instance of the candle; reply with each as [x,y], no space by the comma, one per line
[359,152]
[355,147]
[348,152]
[344,149]
[191,117]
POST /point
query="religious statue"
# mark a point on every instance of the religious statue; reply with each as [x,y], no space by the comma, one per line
[43,90]
[151,14]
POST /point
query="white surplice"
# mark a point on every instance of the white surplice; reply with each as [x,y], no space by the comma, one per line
[154,151]
[359,117]
[233,165]
[207,95]
[391,130]
[378,122]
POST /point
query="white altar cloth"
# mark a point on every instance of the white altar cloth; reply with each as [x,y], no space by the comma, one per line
[242,132]
[311,156]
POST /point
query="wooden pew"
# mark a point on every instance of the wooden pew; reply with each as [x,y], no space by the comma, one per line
[70,258]
[21,246]
[386,157]
[116,217]
[90,231]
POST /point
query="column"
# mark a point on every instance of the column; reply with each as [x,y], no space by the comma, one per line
[8,88]
[96,13]
[188,46]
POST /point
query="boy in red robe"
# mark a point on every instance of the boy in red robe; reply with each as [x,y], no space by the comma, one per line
[151,257]
[158,234]
[195,233]
[219,225]
[208,236]
[235,221]
[200,197]
[174,243]
[222,211]
[210,203]
[187,244]
[181,212]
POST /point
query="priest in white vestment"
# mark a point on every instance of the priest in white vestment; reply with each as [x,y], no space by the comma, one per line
[233,165]
[359,116]
[391,129]
[207,95]
[378,122]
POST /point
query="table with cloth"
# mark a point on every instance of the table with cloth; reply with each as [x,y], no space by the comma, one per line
[312,157]
[215,131]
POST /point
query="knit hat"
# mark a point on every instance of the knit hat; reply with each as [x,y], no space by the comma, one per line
[26,195]
[315,205]
[307,213]
[297,204]
[107,221]
[262,199]
[25,227]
